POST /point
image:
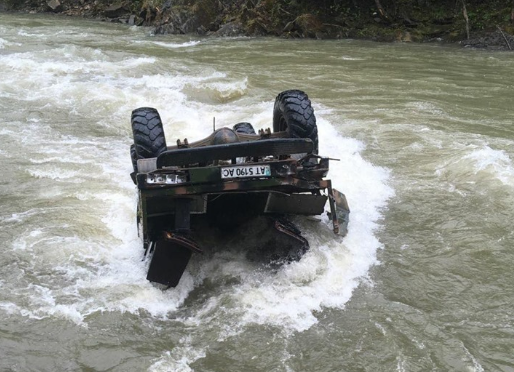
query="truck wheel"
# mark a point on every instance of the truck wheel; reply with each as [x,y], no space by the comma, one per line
[294,114]
[245,128]
[148,133]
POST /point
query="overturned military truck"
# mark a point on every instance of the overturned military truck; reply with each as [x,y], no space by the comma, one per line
[227,180]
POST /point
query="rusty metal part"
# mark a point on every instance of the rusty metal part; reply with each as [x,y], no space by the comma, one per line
[333,210]
[342,211]
[339,211]
[265,133]
[287,228]
[183,241]
[182,145]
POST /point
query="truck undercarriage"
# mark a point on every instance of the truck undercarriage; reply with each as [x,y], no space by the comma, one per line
[225,181]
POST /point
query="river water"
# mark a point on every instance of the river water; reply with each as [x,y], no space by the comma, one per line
[422,282]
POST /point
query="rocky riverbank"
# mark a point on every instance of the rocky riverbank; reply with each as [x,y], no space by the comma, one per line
[487,26]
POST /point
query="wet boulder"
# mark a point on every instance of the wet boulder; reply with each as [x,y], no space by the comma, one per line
[181,19]
[115,10]
[230,29]
[177,21]
[54,5]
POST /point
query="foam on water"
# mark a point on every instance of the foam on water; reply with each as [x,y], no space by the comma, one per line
[496,163]
[77,232]
[177,45]
[4,43]
[479,164]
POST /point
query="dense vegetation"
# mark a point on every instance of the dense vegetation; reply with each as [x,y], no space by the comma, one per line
[406,20]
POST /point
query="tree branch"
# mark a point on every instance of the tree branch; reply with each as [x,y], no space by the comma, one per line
[504,37]
[465,14]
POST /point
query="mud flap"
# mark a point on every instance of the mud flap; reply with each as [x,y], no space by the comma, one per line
[170,258]
[339,211]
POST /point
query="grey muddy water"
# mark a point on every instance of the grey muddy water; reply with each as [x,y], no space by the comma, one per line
[424,134]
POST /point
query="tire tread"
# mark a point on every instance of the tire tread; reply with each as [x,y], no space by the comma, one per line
[149,139]
[293,113]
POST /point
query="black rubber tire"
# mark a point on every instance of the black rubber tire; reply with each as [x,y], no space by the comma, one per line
[133,157]
[245,128]
[148,132]
[294,114]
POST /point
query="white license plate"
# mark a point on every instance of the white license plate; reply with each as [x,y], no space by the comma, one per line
[243,171]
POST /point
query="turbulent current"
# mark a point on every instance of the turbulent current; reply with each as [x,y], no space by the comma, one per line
[424,136]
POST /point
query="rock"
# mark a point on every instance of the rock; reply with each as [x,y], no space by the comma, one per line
[54,5]
[132,20]
[166,6]
[115,11]
[191,25]
[492,40]
[404,36]
[230,29]
[201,30]
[179,21]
